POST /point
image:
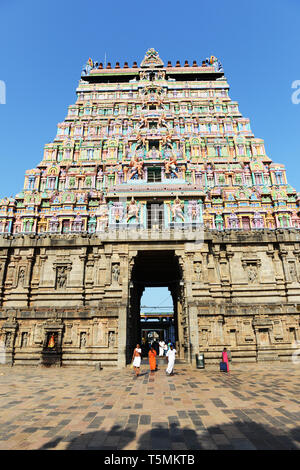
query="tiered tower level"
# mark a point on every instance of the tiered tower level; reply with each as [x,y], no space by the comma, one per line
[153,179]
[154,130]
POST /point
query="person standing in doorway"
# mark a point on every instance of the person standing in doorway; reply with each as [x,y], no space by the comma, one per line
[152,359]
[225,358]
[171,360]
[143,347]
[161,347]
[136,358]
[155,346]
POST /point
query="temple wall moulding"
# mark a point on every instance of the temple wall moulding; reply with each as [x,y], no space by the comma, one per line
[85,313]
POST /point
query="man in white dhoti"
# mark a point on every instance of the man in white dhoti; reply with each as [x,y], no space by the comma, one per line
[161,347]
[136,359]
[171,360]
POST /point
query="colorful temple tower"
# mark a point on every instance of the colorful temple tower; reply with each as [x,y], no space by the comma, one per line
[166,131]
[161,148]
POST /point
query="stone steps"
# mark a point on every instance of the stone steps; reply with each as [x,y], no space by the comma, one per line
[163,361]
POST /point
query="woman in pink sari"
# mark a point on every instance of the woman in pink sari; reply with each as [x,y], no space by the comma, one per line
[225,358]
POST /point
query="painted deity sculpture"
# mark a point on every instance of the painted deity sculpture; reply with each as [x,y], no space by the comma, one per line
[136,168]
[154,154]
[193,211]
[51,342]
[171,166]
[78,223]
[132,210]
[117,212]
[177,210]
[103,216]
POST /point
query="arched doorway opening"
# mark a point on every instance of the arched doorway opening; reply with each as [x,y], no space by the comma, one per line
[157,320]
[155,269]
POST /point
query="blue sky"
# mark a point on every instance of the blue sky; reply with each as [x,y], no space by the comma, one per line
[44,45]
[157,297]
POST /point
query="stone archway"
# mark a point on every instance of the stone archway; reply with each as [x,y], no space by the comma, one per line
[155,268]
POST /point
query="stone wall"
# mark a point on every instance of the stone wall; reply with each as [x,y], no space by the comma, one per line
[239,289]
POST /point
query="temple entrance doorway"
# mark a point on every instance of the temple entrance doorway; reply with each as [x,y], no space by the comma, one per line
[157,321]
[154,273]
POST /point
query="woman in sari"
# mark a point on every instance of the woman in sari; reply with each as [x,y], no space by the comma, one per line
[152,359]
[225,358]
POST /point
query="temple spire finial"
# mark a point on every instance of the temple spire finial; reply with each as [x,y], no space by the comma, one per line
[152,59]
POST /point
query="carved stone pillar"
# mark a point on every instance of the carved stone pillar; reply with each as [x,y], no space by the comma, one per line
[123,337]
[213,268]
[283,255]
[9,331]
[43,259]
[215,261]
[198,268]
[90,271]
[3,264]
[108,269]
[193,332]
[68,333]
[224,269]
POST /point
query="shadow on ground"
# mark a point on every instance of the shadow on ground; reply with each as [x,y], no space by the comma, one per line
[238,435]
[116,438]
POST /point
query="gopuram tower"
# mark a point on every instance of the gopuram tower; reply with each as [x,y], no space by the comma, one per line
[153,179]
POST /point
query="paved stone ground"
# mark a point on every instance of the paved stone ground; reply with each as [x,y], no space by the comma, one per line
[253,407]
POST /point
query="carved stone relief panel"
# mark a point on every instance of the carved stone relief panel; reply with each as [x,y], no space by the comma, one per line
[61,274]
[10,274]
[111,338]
[100,333]
[263,337]
[83,335]
[115,273]
[198,271]
[61,277]
[216,331]
[247,332]
[251,267]
[21,276]
[277,330]
[8,339]
[292,270]
[204,332]
[38,333]
[83,339]
[24,339]
[68,333]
